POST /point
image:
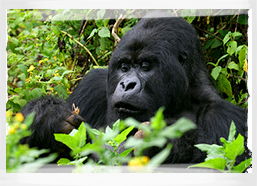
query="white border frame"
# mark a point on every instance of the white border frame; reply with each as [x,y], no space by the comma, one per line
[124,178]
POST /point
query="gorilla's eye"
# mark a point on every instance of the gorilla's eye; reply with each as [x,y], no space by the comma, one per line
[145,66]
[124,67]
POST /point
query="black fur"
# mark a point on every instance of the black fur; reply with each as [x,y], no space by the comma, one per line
[157,63]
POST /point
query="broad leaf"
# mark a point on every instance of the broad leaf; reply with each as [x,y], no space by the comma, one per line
[77,162]
[233,65]
[177,129]
[213,151]
[56,30]
[104,32]
[232,46]
[157,122]
[226,38]
[81,135]
[242,166]
[216,72]
[123,135]
[217,163]
[63,161]
[236,148]
[160,157]
[68,140]
[232,132]
[126,152]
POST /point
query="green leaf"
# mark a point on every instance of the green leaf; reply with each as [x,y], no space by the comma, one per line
[233,65]
[213,151]
[23,68]
[226,38]
[35,165]
[56,30]
[223,84]
[133,142]
[232,46]
[63,161]
[236,34]
[217,163]
[29,119]
[78,162]
[92,33]
[108,131]
[242,56]
[132,122]
[81,135]
[225,142]
[73,132]
[36,92]
[158,122]
[126,152]
[216,72]
[66,72]
[222,57]
[119,125]
[100,13]
[236,148]
[242,166]
[104,32]
[160,157]
[28,26]
[243,19]
[216,43]
[123,135]
[68,140]
[232,132]
[177,129]
[56,78]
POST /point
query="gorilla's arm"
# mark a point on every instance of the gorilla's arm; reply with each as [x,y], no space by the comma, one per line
[52,115]
[90,97]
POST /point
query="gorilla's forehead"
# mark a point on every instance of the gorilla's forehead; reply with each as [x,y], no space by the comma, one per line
[135,53]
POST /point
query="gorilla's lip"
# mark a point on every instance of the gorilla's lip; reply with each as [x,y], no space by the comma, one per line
[123,107]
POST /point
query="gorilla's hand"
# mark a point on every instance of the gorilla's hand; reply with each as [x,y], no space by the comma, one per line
[140,134]
[72,122]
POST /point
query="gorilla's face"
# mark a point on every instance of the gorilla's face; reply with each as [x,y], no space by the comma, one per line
[145,73]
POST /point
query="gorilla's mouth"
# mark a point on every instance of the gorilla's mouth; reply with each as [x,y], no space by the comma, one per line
[123,107]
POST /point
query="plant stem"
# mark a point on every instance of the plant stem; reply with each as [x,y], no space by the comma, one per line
[81,46]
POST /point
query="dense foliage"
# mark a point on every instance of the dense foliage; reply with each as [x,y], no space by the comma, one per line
[49,51]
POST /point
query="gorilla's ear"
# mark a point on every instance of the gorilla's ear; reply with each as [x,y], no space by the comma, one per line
[182,57]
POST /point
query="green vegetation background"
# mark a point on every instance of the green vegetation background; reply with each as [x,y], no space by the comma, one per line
[49,51]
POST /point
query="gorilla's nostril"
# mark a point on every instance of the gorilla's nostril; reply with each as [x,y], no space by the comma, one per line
[122,84]
[130,86]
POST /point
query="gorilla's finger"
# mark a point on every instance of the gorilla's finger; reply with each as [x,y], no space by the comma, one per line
[75,120]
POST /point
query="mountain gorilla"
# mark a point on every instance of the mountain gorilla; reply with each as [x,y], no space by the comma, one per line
[159,62]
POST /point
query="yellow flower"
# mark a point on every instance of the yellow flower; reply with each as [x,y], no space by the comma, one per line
[19,117]
[51,89]
[23,126]
[8,113]
[55,57]
[61,64]
[139,161]
[16,125]
[245,67]
[11,130]
[46,59]
[41,61]
[31,68]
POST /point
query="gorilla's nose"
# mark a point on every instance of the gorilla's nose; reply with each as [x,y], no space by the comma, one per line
[130,86]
